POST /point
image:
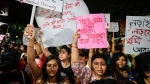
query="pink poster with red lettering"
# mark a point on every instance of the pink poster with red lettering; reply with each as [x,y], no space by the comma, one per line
[137,38]
[92,31]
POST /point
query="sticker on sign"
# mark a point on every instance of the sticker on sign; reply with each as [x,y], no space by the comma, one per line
[48,4]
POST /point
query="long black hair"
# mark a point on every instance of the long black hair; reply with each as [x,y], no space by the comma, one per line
[9,60]
[143,63]
[98,55]
[116,56]
[58,74]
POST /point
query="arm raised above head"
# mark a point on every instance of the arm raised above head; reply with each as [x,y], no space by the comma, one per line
[36,71]
[74,48]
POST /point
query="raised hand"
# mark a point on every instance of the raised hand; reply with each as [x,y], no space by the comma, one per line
[29,32]
[75,37]
[40,32]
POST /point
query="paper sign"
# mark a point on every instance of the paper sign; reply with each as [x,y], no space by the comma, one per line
[59,28]
[48,4]
[92,31]
[114,27]
[137,38]
[107,20]
[2,37]
[25,40]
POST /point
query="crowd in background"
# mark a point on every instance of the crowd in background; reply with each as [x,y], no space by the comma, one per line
[34,64]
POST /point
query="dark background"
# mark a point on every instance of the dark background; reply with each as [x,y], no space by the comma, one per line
[19,13]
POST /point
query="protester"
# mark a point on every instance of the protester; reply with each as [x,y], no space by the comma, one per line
[50,72]
[8,68]
[119,63]
[143,66]
[85,74]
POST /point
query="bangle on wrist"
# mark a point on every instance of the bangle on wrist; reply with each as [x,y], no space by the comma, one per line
[31,46]
[74,46]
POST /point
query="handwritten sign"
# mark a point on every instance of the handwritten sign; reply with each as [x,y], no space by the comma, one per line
[114,27]
[107,20]
[25,40]
[2,37]
[58,28]
[137,37]
[48,4]
[92,31]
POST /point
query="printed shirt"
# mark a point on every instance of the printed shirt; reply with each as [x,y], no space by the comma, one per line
[83,73]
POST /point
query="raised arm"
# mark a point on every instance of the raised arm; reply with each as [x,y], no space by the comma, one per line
[45,50]
[36,71]
[113,44]
[79,70]
[38,48]
[74,48]
[91,52]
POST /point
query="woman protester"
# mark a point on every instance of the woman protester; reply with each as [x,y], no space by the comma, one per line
[85,74]
[50,72]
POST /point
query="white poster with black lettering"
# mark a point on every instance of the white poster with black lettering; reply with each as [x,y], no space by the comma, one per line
[113,27]
[58,28]
[48,4]
[137,37]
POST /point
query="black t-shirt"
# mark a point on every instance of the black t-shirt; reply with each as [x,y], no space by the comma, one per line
[70,74]
[14,76]
[121,79]
[138,80]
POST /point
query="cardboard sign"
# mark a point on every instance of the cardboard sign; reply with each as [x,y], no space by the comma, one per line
[92,31]
[114,27]
[48,4]
[58,28]
[137,34]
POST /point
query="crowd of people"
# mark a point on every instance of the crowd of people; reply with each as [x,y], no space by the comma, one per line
[34,64]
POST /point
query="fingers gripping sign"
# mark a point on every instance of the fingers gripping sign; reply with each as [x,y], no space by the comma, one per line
[29,32]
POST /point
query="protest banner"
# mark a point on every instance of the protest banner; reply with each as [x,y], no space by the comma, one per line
[92,31]
[48,4]
[137,36]
[113,27]
[107,20]
[58,28]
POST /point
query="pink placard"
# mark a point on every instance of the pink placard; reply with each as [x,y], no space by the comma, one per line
[1,37]
[92,31]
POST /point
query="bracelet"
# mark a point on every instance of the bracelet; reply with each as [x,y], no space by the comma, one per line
[74,46]
[31,46]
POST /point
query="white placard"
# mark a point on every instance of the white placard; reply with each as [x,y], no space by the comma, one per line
[48,4]
[107,20]
[1,23]
[114,27]
[137,38]
[59,27]
[25,40]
